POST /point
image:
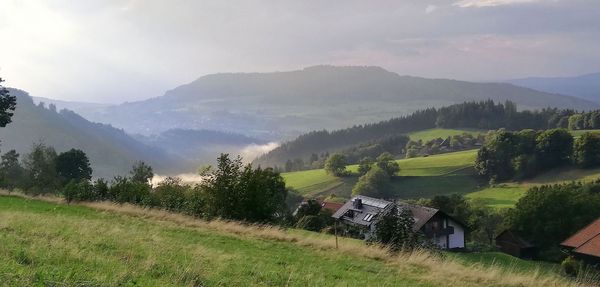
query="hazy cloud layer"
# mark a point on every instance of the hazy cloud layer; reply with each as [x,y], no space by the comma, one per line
[113,51]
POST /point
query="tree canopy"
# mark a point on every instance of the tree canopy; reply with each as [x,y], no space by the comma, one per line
[8,104]
[73,165]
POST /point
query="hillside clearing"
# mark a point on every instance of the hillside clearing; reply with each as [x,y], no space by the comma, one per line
[418,177]
[429,134]
[506,195]
[50,243]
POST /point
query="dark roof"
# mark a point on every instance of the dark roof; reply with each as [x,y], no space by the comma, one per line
[421,214]
[515,239]
[586,241]
[370,205]
[333,206]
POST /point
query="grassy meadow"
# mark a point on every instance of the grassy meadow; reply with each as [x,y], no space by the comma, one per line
[429,134]
[418,177]
[101,244]
[449,173]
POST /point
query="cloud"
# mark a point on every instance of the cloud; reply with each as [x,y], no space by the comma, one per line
[490,3]
[125,50]
[250,152]
[430,8]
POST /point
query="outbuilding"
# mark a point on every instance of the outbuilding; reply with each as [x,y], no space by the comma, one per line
[509,242]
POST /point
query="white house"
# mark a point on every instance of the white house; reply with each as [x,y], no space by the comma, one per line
[364,212]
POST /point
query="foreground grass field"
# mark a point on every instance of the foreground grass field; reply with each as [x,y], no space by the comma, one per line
[52,244]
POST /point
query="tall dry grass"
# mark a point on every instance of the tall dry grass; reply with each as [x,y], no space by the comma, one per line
[432,268]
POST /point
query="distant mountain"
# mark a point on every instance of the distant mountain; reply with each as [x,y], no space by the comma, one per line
[282,105]
[79,107]
[199,145]
[111,151]
[585,87]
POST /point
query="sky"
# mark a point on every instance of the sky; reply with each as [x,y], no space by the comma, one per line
[114,51]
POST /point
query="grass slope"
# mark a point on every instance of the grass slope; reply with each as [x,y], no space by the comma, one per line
[45,243]
[436,175]
[507,194]
[418,177]
[429,134]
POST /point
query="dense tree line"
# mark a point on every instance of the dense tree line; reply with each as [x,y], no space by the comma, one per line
[478,115]
[230,191]
[518,155]
[549,214]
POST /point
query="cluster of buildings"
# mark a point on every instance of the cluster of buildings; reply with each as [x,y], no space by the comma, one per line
[362,213]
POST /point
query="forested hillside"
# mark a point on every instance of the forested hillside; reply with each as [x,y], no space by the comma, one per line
[282,105]
[111,150]
[485,115]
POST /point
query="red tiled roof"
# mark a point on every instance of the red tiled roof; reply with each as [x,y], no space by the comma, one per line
[583,235]
[333,206]
[592,247]
[586,240]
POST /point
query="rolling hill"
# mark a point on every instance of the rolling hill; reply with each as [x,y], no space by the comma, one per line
[282,105]
[585,86]
[111,151]
[442,174]
[49,243]
[419,177]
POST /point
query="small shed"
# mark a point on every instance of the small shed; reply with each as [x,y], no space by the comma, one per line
[512,243]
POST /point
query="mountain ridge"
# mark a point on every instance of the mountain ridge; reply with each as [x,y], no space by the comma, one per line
[282,105]
[585,86]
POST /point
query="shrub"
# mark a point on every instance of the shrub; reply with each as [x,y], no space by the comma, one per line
[311,222]
[195,202]
[571,266]
[100,189]
[170,194]
[78,191]
[124,190]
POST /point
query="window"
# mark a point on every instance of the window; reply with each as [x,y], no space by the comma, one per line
[368,217]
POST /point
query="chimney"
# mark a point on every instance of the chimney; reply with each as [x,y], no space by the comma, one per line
[357,203]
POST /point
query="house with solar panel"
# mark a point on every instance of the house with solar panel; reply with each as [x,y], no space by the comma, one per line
[362,213]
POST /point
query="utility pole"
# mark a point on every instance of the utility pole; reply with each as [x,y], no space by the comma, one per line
[335,232]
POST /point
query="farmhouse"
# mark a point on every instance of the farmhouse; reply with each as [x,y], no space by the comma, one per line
[510,242]
[585,244]
[363,213]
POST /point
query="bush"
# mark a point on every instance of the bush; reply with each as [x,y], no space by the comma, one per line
[571,266]
[100,189]
[78,191]
[195,202]
[125,190]
[311,222]
[170,194]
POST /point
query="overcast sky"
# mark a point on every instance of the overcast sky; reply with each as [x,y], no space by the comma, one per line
[115,51]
